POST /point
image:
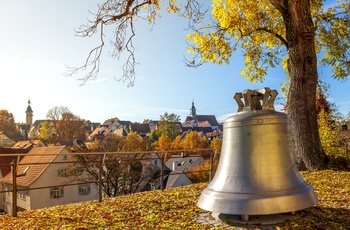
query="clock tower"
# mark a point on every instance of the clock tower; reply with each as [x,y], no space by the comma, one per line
[29,114]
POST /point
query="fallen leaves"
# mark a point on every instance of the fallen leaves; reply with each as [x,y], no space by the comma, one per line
[176,209]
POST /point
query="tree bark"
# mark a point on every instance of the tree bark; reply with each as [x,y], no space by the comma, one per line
[302,68]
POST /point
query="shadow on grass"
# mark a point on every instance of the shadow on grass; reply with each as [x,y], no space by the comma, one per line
[311,218]
[319,217]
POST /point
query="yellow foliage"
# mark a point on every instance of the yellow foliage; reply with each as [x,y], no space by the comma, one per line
[177,143]
[134,142]
[176,208]
[258,28]
[193,141]
[252,25]
[163,143]
[329,134]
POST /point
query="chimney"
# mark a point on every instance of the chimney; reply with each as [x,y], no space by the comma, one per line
[174,165]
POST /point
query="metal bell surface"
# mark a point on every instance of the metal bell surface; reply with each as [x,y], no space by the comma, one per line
[257,174]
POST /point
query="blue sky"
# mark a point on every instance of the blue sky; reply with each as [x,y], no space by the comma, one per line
[38,41]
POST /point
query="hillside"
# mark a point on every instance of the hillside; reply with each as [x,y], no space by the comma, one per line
[176,209]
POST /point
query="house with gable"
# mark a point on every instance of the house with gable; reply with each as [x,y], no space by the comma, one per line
[29,144]
[179,165]
[118,128]
[151,172]
[103,130]
[5,141]
[40,168]
[6,158]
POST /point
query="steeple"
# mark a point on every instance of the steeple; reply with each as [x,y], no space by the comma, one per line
[29,114]
[193,111]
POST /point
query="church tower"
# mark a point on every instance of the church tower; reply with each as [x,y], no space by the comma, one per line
[193,112]
[29,114]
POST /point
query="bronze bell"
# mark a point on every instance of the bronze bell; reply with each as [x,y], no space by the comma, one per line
[257,174]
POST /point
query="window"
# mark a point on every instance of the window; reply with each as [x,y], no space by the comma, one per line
[56,192]
[21,195]
[84,189]
[65,157]
[62,172]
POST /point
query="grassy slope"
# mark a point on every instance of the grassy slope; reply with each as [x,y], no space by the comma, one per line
[175,209]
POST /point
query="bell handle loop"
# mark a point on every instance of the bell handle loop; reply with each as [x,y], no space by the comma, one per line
[259,99]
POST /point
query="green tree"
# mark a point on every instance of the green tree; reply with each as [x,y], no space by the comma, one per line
[153,136]
[169,126]
[269,33]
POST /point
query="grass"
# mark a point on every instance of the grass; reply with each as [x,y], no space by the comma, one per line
[176,209]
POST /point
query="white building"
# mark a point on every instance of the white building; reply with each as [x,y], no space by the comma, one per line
[36,170]
[179,165]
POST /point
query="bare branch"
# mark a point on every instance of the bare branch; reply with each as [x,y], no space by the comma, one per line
[121,14]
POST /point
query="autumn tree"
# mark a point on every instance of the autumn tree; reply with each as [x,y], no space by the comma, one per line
[327,126]
[163,145]
[201,173]
[111,143]
[125,169]
[7,124]
[288,33]
[134,142]
[269,33]
[56,113]
[177,143]
[193,141]
[70,127]
[47,132]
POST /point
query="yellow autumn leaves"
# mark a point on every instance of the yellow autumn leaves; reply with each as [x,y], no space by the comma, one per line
[176,209]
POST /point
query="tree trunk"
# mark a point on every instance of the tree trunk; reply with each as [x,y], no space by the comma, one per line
[302,68]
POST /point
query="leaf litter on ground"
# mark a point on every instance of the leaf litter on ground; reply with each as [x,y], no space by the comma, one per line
[176,209]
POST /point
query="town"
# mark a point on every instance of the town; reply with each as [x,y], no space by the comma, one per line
[262,168]
[46,146]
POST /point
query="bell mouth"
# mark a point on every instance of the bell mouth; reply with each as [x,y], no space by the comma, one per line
[274,202]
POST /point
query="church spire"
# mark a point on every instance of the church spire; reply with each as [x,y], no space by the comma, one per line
[193,111]
[29,114]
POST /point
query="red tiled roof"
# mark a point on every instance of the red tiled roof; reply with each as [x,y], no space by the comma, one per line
[36,163]
[5,161]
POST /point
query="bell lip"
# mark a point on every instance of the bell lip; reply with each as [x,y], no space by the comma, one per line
[258,204]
